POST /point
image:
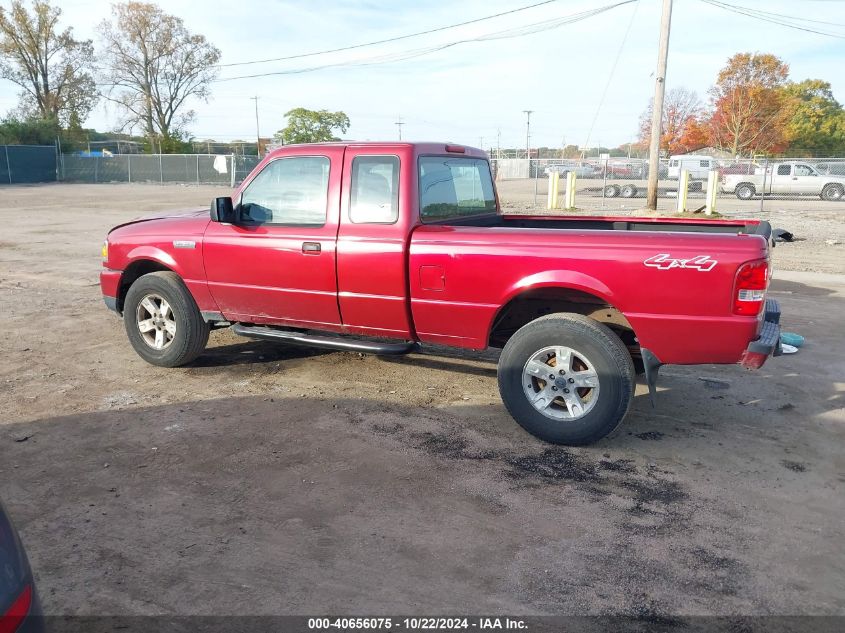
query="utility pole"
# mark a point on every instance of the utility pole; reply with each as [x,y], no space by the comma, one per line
[498,143]
[528,133]
[657,108]
[399,125]
[257,133]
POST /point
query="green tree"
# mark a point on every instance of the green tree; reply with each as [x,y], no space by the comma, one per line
[34,131]
[816,126]
[312,126]
[52,68]
[155,66]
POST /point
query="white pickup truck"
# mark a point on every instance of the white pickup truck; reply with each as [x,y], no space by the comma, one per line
[791,178]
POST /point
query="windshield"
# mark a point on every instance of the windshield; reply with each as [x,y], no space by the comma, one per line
[454,187]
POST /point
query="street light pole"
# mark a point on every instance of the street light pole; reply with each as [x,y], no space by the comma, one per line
[528,133]
[657,107]
[257,133]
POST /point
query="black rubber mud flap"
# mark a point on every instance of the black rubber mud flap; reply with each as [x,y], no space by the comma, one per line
[652,366]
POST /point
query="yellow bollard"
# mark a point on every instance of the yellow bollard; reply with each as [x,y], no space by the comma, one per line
[712,190]
[569,194]
[683,189]
[554,184]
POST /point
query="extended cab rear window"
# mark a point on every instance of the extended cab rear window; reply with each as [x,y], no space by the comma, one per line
[454,187]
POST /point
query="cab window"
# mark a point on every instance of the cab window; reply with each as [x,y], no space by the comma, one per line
[803,170]
[451,188]
[374,194]
[289,191]
[784,170]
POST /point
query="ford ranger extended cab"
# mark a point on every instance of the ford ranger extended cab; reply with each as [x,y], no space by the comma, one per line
[790,178]
[383,247]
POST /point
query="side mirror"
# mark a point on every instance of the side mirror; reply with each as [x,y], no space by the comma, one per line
[222,210]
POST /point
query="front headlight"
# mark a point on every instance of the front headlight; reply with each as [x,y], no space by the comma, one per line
[105,250]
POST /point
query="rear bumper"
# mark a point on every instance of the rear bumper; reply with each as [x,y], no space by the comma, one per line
[768,342]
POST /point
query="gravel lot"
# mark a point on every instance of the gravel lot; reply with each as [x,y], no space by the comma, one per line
[273,479]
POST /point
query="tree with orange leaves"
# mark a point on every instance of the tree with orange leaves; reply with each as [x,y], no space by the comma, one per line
[750,107]
[681,130]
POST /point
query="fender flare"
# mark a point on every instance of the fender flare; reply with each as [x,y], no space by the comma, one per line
[559,279]
[155,254]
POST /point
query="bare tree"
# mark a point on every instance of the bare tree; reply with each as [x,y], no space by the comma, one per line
[52,67]
[154,66]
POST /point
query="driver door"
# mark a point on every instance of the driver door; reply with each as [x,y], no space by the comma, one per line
[277,264]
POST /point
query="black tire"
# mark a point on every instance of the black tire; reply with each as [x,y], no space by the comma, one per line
[832,191]
[191,331]
[745,191]
[611,191]
[589,339]
[629,191]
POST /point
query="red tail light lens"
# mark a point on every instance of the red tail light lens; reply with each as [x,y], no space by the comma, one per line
[752,279]
[11,620]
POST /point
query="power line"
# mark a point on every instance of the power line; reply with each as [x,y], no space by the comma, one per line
[759,15]
[391,39]
[796,18]
[520,31]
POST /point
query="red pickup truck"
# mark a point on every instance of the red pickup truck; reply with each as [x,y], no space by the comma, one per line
[382,247]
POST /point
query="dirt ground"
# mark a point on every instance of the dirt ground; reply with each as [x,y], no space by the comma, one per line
[269,479]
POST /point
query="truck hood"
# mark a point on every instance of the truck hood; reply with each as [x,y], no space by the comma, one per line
[162,219]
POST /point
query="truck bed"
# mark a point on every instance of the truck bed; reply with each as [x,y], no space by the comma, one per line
[606,223]
[671,278]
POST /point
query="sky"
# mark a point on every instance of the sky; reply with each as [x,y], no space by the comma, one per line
[586,82]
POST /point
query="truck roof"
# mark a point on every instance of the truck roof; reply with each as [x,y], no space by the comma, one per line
[419,147]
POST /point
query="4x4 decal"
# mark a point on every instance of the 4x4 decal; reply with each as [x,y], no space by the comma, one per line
[663,261]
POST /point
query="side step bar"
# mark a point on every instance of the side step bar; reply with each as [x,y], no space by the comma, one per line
[327,342]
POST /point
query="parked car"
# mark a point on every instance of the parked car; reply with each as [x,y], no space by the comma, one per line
[790,178]
[739,168]
[20,609]
[627,169]
[698,165]
[344,245]
[581,170]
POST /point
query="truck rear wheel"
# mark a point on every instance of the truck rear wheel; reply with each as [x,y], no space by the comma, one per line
[832,191]
[566,379]
[744,191]
[162,320]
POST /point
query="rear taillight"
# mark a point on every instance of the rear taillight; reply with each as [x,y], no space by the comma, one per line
[15,614]
[752,279]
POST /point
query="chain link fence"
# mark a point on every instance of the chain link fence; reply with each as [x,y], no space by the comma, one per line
[27,164]
[620,183]
[200,169]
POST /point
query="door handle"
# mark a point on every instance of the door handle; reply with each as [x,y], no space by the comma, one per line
[311,248]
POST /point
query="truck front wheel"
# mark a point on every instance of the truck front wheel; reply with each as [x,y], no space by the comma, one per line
[162,320]
[566,379]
